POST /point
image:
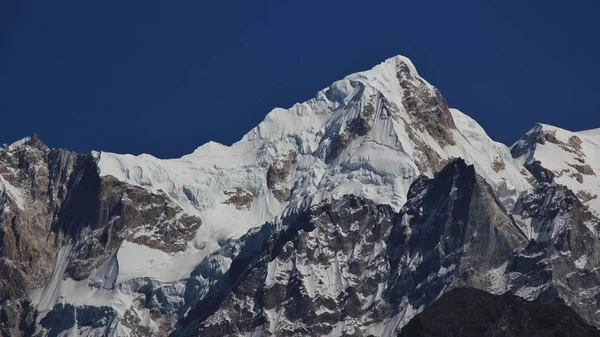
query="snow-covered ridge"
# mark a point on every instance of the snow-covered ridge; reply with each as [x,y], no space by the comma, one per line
[371,134]
[572,157]
[379,164]
[18,143]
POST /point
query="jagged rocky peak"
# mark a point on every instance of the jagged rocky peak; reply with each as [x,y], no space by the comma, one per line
[351,267]
[344,215]
[29,197]
[425,104]
[569,158]
[303,278]
[561,260]
[370,134]
[453,231]
[464,204]
[32,141]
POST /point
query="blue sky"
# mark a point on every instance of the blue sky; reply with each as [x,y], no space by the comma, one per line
[164,77]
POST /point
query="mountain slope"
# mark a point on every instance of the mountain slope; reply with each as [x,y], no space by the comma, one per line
[63,231]
[351,267]
[475,313]
[569,158]
[370,134]
[346,214]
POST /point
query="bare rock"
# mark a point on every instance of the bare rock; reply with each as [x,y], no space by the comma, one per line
[498,165]
[278,175]
[240,198]
[584,169]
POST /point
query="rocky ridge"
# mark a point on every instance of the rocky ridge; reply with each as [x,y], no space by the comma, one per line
[344,215]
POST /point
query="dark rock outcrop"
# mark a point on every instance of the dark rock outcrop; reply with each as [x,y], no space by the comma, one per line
[475,313]
[351,260]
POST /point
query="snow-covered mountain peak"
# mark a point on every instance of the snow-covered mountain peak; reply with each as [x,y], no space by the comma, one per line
[370,134]
[570,158]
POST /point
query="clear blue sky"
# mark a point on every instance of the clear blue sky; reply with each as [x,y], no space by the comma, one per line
[164,77]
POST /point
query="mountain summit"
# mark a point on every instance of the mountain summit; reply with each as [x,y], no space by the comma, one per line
[347,214]
[570,158]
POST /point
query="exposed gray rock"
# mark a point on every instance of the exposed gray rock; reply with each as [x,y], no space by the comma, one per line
[66,317]
[346,260]
[584,169]
[426,106]
[562,259]
[451,232]
[475,313]
[278,175]
[63,200]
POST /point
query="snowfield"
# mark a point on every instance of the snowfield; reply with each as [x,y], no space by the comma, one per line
[573,157]
[362,135]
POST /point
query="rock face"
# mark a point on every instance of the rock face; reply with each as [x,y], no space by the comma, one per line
[427,107]
[60,219]
[570,158]
[350,267]
[345,215]
[561,259]
[474,313]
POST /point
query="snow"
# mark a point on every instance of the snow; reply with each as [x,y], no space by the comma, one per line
[497,279]
[481,151]
[18,143]
[581,261]
[379,165]
[137,261]
[51,293]
[561,159]
[591,133]
[530,293]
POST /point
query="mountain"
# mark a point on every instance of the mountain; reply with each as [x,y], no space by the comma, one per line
[571,159]
[359,268]
[470,312]
[347,214]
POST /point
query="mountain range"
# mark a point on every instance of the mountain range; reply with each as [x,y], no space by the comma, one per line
[346,215]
